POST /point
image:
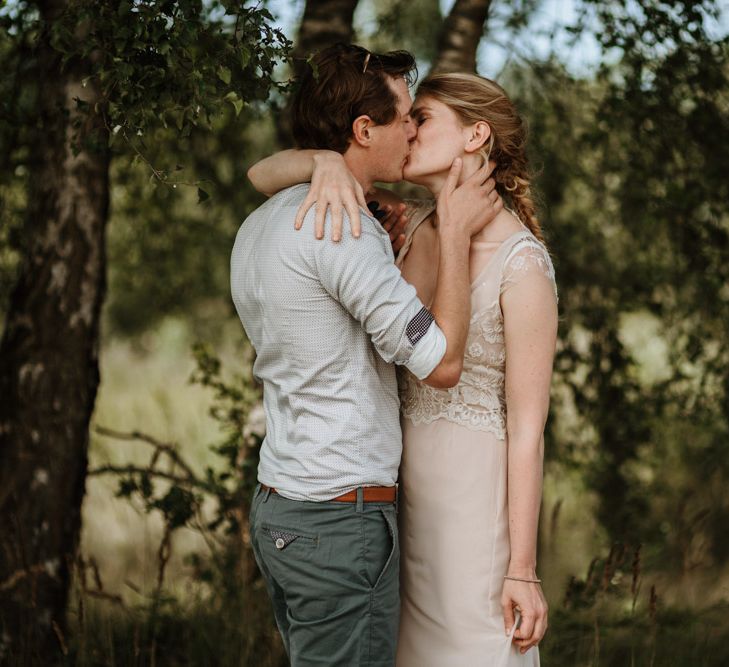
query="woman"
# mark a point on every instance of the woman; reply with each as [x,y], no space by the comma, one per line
[471,472]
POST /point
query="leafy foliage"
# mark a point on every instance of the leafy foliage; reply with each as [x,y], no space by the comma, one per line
[632,170]
[636,210]
[171,63]
[215,503]
[166,71]
[170,486]
[168,254]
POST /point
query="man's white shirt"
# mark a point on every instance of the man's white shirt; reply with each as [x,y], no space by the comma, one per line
[327,321]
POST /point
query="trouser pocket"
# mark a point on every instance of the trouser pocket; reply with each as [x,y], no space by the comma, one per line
[323,591]
[380,544]
[282,537]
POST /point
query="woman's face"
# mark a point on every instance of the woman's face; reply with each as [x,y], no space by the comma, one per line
[441,138]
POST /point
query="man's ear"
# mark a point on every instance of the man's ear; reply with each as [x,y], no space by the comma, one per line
[362,130]
[476,136]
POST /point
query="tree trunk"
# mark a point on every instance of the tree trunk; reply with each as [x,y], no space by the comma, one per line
[49,362]
[325,22]
[460,36]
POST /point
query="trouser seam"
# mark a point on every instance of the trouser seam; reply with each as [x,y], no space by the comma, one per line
[363,554]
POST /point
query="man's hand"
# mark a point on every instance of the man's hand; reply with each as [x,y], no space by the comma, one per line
[471,205]
[529,600]
[332,187]
[393,219]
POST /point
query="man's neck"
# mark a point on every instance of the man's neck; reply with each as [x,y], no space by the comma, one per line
[359,171]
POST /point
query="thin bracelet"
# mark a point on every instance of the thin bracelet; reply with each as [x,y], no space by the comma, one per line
[526,581]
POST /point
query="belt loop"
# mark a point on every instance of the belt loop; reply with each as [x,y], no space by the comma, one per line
[266,493]
[360,499]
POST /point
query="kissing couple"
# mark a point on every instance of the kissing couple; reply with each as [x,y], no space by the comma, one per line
[406,388]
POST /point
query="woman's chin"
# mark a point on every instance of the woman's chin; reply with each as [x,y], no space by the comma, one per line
[410,174]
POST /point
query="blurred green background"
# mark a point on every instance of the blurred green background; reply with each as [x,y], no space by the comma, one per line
[628,109]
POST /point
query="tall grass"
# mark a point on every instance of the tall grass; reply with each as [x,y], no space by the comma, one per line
[147,595]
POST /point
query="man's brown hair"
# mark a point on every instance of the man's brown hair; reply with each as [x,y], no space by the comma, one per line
[343,82]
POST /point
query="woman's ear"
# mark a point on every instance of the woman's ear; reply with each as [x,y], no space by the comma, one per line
[362,130]
[476,136]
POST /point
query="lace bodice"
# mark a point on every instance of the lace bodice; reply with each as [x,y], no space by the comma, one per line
[478,400]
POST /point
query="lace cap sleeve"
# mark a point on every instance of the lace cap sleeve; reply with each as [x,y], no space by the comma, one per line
[527,260]
[417,211]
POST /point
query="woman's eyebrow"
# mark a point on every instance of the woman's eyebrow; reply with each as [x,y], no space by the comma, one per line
[417,110]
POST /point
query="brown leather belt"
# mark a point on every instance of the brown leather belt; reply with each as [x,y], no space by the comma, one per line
[371,494]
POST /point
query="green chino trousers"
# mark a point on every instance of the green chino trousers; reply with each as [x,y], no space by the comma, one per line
[331,569]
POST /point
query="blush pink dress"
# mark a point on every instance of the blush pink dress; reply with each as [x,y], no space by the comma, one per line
[454,535]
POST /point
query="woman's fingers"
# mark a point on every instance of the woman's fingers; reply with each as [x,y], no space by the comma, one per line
[336,206]
[495,201]
[337,220]
[489,185]
[321,211]
[532,628]
[482,174]
[486,170]
[529,600]
[303,210]
[524,632]
[333,190]
[453,175]
[540,629]
[508,610]
[355,224]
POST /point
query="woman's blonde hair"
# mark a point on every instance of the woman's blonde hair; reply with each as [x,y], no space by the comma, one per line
[474,98]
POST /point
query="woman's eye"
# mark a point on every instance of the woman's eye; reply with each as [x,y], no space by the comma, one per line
[420,120]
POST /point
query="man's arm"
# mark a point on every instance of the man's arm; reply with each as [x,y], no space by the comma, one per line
[462,212]
[362,277]
[333,187]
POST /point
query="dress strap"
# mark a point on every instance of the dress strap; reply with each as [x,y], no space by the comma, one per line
[418,210]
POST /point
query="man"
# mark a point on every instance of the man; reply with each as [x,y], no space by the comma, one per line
[327,321]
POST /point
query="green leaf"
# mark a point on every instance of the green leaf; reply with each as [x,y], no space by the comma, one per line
[245,57]
[235,101]
[224,74]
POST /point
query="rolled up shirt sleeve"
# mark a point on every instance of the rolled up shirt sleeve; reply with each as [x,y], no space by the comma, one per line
[361,275]
[428,352]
